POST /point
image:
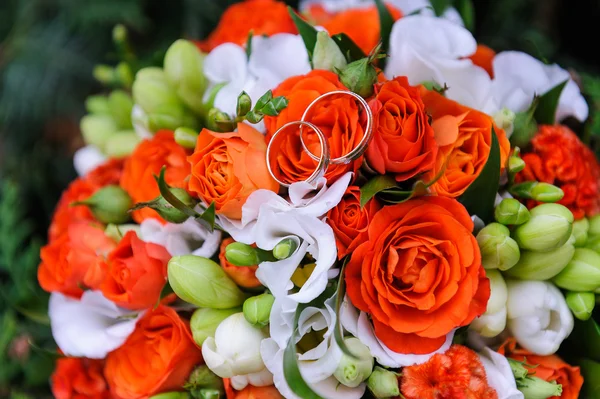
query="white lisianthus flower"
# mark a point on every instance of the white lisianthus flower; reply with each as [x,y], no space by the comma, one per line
[91,326]
[186,238]
[139,119]
[318,364]
[538,315]
[234,352]
[87,159]
[273,59]
[499,374]
[493,321]
[268,218]
[518,77]
[359,325]
[429,49]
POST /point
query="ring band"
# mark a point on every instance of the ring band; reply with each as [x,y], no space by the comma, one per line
[361,147]
[323,160]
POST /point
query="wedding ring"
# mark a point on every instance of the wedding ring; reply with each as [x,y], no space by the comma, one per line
[357,151]
[323,160]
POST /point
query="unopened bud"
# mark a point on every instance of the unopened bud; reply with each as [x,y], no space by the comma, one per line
[536,388]
[581,304]
[121,144]
[519,371]
[119,33]
[97,105]
[515,164]
[105,74]
[202,377]
[124,74]
[207,393]
[285,248]
[327,54]
[582,273]
[542,192]
[594,229]
[493,321]
[186,137]
[360,77]
[244,104]
[383,383]
[498,250]
[219,121]
[120,104]
[240,254]
[352,371]
[117,231]
[165,209]
[511,212]
[257,309]
[172,395]
[204,322]
[549,228]
[542,265]
[202,282]
[580,232]
[97,129]
[183,66]
[505,119]
[110,204]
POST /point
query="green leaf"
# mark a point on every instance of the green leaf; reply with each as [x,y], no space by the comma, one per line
[263,100]
[208,217]
[347,46]
[307,32]
[338,332]
[249,44]
[374,186]
[545,114]
[280,103]
[591,378]
[467,12]
[254,117]
[395,196]
[163,187]
[481,194]
[440,6]
[525,126]
[386,21]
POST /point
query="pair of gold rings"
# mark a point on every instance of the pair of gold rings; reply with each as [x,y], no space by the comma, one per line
[324,160]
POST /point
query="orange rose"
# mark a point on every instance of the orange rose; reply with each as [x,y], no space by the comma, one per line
[484,58]
[338,119]
[79,378]
[243,276]
[80,189]
[228,167]
[157,357]
[548,368]
[403,141]
[349,222]
[251,392]
[464,136]
[261,17]
[146,161]
[135,273]
[418,274]
[72,260]
[558,157]
[360,24]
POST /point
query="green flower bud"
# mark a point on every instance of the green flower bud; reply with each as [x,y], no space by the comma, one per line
[165,209]
[285,248]
[515,164]
[581,304]
[118,231]
[240,254]
[518,369]
[549,228]
[582,273]
[327,55]
[511,212]
[360,77]
[119,33]
[204,322]
[244,104]
[498,250]
[383,383]
[184,70]
[353,371]
[257,309]
[202,282]
[109,204]
[505,119]
[202,377]
[121,144]
[219,121]
[171,395]
[542,192]
[97,105]
[594,229]
[207,393]
[152,91]
[186,137]
[536,388]
[104,74]
[97,129]
[580,231]
[593,243]
[542,265]
[120,105]
[124,74]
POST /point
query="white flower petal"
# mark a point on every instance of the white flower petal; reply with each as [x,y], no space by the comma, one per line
[87,159]
[499,374]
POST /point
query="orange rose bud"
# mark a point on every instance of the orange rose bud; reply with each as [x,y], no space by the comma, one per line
[262,17]
[74,260]
[244,276]
[157,357]
[228,167]
[79,378]
[136,272]
[360,24]
[403,141]
[418,274]
[464,136]
[558,157]
[349,222]
[457,373]
[548,368]
[484,58]
[338,118]
[145,162]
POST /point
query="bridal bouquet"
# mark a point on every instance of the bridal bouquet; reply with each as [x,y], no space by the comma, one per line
[354,200]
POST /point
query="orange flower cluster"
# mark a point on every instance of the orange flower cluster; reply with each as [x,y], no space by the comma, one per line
[78,378]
